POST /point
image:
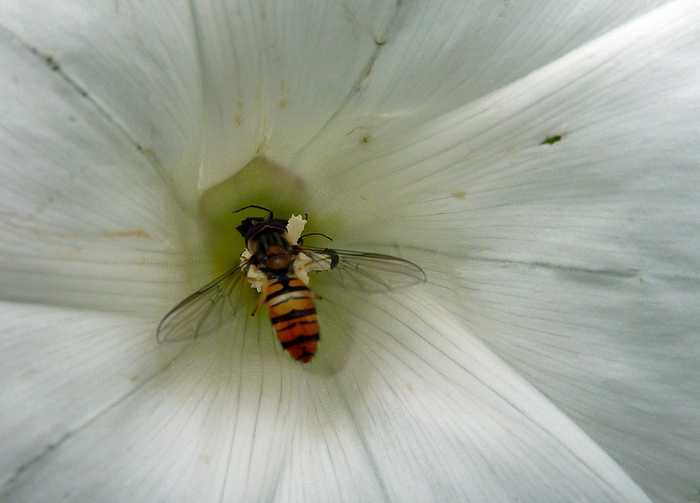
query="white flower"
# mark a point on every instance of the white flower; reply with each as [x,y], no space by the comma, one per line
[539,160]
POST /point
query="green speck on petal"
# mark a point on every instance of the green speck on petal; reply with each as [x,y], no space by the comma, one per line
[551,140]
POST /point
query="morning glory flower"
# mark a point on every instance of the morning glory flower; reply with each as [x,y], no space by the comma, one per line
[539,160]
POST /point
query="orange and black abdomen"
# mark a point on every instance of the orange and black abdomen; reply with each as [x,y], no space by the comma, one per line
[293,314]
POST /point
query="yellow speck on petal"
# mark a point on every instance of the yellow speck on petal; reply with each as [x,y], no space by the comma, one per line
[138,234]
[460,194]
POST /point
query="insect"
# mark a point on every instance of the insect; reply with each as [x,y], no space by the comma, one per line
[277,264]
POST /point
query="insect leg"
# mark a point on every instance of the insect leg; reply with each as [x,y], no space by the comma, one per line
[258,303]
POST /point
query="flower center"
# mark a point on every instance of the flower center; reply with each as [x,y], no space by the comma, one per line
[260,182]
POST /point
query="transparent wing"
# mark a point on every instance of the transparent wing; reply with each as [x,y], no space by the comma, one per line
[203,311]
[368,272]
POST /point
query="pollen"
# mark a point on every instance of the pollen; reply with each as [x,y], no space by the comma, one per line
[254,275]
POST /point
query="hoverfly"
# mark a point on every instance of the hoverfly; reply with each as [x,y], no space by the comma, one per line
[277,264]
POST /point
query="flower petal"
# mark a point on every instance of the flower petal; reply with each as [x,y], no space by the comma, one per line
[59,370]
[440,55]
[618,352]
[480,180]
[87,220]
[232,418]
[421,411]
[583,253]
[447,420]
[276,72]
[136,64]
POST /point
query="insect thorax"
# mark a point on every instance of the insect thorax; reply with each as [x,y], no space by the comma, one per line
[271,251]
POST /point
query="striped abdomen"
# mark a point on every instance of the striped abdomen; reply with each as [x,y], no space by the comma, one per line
[293,314]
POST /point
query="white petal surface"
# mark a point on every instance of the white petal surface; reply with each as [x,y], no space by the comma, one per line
[86,220]
[441,55]
[446,420]
[59,370]
[619,353]
[136,62]
[231,419]
[420,411]
[585,251]
[479,180]
[276,72]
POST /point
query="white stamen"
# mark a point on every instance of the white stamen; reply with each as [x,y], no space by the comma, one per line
[303,264]
[295,226]
[256,277]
